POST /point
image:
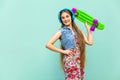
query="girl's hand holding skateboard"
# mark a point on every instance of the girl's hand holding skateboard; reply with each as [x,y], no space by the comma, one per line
[87,26]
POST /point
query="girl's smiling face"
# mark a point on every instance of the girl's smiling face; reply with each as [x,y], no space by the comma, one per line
[66,18]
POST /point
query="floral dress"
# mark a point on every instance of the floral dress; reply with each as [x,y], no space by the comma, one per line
[72,64]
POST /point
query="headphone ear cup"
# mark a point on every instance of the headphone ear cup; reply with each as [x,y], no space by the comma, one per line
[59,18]
[73,16]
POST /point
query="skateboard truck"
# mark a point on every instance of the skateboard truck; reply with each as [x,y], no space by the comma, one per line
[94,25]
[74,10]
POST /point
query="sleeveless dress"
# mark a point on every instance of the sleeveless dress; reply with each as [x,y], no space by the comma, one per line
[72,68]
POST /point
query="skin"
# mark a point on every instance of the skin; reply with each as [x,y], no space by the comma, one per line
[66,19]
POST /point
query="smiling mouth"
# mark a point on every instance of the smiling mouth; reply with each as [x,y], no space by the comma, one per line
[66,21]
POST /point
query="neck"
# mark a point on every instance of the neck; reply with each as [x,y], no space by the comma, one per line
[69,26]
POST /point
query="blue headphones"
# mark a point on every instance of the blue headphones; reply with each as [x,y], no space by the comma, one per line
[71,13]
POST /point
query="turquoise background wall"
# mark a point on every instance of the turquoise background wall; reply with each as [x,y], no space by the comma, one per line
[26,26]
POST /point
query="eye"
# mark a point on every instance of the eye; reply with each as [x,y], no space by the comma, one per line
[62,17]
[67,16]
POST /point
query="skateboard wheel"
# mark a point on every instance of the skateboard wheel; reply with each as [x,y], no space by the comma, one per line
[92,28]
[95,21]
[74,10]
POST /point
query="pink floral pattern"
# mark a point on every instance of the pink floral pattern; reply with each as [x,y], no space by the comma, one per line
[72,64]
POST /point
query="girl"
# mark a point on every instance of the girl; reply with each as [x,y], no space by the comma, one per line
[73,42]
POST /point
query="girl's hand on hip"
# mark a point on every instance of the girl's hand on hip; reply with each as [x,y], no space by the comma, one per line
[68,52]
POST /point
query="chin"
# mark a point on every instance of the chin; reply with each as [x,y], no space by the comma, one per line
[67,24]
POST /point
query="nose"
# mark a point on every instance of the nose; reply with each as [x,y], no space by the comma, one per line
[65,19]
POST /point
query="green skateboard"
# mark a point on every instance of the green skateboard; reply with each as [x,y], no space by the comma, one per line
[84,17]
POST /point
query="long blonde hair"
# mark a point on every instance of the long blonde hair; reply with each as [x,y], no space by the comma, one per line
[81,44]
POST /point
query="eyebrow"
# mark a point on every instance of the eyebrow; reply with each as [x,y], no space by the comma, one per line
[65,16]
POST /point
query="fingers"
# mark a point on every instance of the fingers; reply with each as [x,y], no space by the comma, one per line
[70,53]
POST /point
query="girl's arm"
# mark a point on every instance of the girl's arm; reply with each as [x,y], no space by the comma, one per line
[89,38]
[50,44]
